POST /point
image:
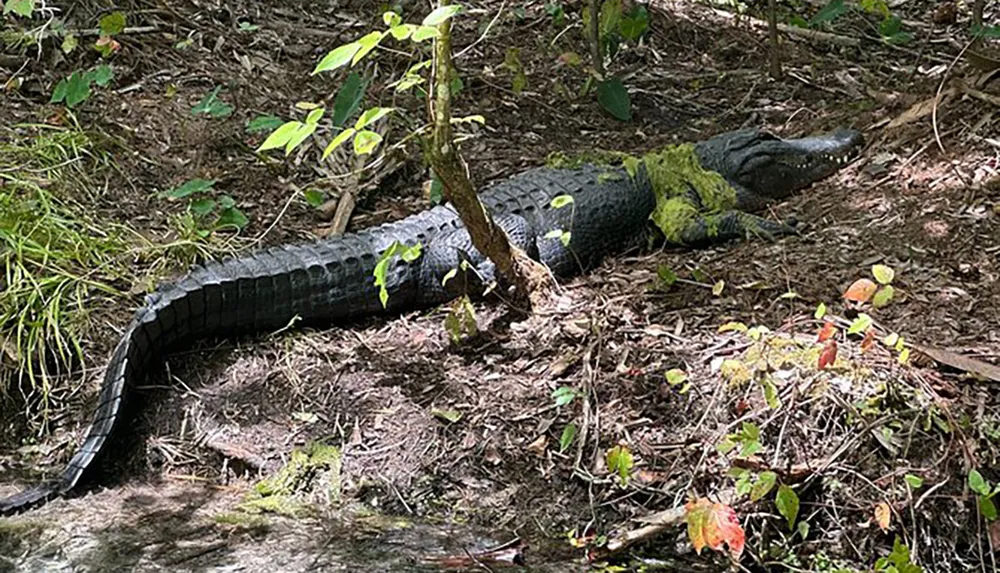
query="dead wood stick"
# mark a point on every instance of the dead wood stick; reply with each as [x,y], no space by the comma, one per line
[981,95]
[813,35]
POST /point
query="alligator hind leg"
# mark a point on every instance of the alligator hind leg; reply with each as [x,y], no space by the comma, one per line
[729,225]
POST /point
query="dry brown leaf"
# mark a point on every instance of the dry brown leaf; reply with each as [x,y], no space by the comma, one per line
[883,514]
[921,109]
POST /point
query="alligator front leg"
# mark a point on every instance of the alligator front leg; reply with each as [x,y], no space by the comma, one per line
[728,225]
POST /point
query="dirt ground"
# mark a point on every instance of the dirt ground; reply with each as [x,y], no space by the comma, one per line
[412,485]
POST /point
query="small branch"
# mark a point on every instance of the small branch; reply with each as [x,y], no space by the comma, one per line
[595,40]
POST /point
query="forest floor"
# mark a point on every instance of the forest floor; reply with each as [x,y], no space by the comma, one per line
[446,450]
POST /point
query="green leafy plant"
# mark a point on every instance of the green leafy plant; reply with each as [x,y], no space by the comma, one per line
[76,89]
[984,494]
[212,105]
[898,561]
[620,462]
[22,8]
[787,502]
[202,206]
[109,26]
[747,439]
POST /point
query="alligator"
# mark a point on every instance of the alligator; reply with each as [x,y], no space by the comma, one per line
[695,193]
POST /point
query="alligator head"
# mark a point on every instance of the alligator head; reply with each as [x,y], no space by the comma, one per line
[769,167]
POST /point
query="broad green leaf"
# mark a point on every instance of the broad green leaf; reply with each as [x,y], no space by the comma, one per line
[402,31]
[883,296]
[102,75]
[111,24]
[820,311]
[565,238]
[441,14]
[566,439]
[860,324]
[563,395]
[280,136]
[619,460]
[189,188]
[666,274]
[232,217]
[338,57]
[770,393]
[203,206]
[59,94]
[372,115]
[915,482]
[788,504]
[337,141]
[987,508]
[751,430]
[366,141]
[634,24]
[611,13]
[77,89]
[883,273]
[211,105]
[675,376]
[835,9]
[803,529]
[891,339]
[749,448]
[553,234]
[987,32]
[314,197]
[391,19]
[411,253]
[300,135]
[878,7]
[315,115]
[764,484]
[424,33]
[977,483]
[614,98]
[560,201]
[69,43]
[368,43]
[20,7]
[348,99]
[264,123]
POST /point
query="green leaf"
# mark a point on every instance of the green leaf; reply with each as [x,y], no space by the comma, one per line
[203,206]
[563,395]
[264,123]
[675,376]
[248,27]
[59,94]
[749,448]
[69,43]
[280,136]
[232,217]
[986,32]
[764,484]
[455,86]
[619,460]
[20,7]
[314,197]
[372,115]
[77,89]
[441,14]
[891,339]
[667,275]
[770,393]
[446,414]
[566,439]
[788,504]
[436,195]
[210,105]
[402,31]
[424,33]
[560,201]
[368,43]
[189,188]
[102,75]
[611,13]
[337,58]
[553,234]
[835,9]
[860,324]
[614,98]
[337,141]
[977,483]
[348,99]
[366,141]
[987,508]
[634,24]
[883,296]
[391,19]
[915,482]
[469,119]
[820,311]
[803,529]
[718,287]
[883,273]
[298,136]
[111,24]
[315,115]
[750,431]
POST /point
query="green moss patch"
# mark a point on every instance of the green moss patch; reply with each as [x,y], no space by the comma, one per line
[313,470]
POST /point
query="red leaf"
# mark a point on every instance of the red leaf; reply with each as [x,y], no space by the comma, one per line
[828,355]
[827,331]
[861,291]
[866,344]
[712,524]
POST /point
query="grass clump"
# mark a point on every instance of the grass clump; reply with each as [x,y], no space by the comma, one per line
[53,259]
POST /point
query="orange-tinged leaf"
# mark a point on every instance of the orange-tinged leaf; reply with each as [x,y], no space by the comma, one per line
[827,331]
[861,291]
[828,355]
[866,344]
[882,515]
[712,525]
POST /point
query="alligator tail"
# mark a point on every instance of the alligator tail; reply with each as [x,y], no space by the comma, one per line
[264,291]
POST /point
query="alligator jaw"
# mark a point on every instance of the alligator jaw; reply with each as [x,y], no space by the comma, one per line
[773,168]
